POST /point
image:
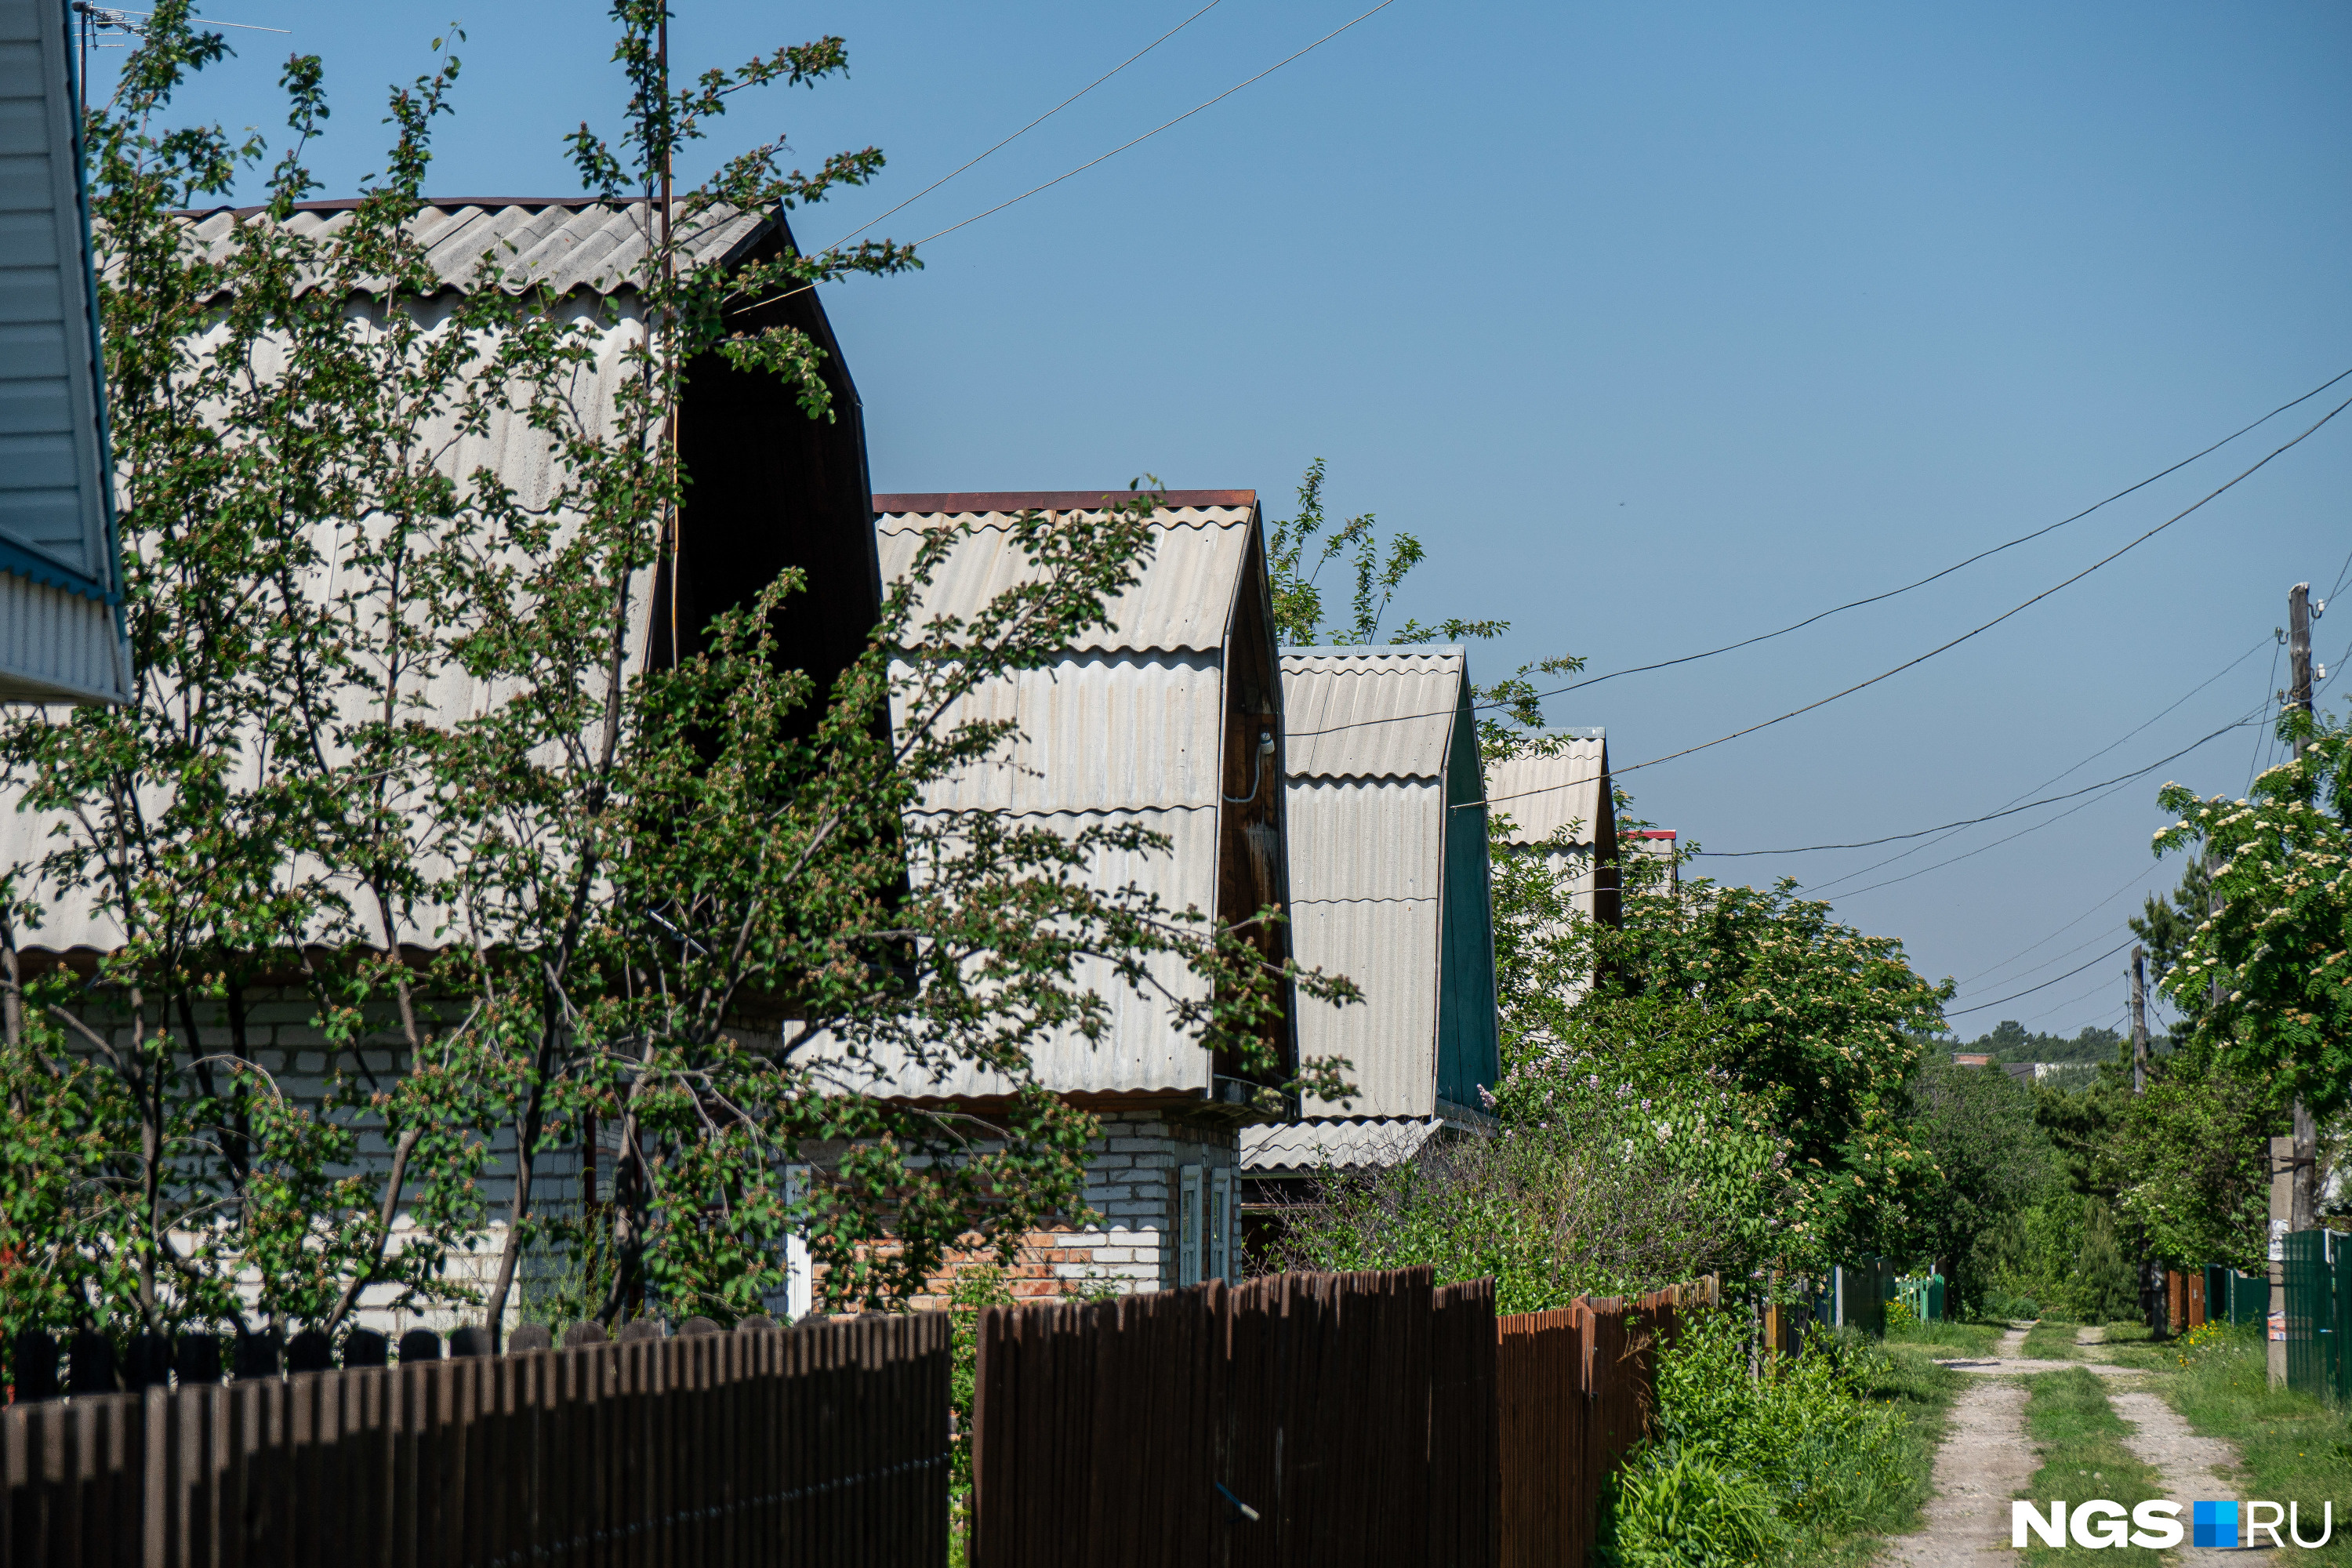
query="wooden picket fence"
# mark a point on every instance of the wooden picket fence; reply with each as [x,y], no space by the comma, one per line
[1575,1391]
[1296,1419]
[826,1444]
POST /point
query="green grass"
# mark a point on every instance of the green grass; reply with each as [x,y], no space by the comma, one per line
[2047,1340]
[2294,1447]
[2080,1438]
[1908,1379]
[1947,1339]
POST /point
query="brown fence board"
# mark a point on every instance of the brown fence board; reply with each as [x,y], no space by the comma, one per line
[824,1444]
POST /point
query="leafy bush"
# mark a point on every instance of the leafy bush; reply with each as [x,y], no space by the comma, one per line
[1899,1315]
[1802,1436]
[1675,1508]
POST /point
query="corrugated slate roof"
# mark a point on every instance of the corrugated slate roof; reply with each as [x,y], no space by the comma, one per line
[1126,726]
[562,243]
[1182,603]
[1368,731]
[1389,948]
[1303,1148]
[1372,712]
[1543,794]
[1101,731]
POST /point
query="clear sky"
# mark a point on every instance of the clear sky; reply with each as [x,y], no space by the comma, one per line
[1662,327]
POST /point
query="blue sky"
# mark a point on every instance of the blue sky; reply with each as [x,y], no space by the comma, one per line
[1661,327]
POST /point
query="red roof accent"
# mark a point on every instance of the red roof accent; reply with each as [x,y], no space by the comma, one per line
[1051,500]
[1653,833]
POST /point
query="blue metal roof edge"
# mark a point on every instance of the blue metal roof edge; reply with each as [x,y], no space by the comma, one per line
[18,562]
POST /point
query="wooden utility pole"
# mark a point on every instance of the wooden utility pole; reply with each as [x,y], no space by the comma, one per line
[2298,651]
[2304,1212]
[2139,1019]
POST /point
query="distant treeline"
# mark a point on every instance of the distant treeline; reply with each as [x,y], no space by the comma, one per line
[2010,1042]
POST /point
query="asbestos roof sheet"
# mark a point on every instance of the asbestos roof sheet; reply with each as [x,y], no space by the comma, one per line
[1183,601]
[1364,839]
[1390,949]
[1373,713]
[1144,1048]
[1303,1148]
[1099,732]
[563,244]
[1543,794]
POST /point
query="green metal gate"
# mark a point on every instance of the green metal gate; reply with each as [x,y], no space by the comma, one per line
[2318,1274]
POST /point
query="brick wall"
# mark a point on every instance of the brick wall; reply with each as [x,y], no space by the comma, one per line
[1133,1183]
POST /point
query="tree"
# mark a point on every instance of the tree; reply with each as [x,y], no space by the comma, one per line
[2166,925]
[1978,1125]
[1292,572]
[2281,944]
[1822,1016]
[662,898]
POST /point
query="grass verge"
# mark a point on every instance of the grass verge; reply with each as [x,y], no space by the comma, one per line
[1908,1378]
[2048,1341]
[2292,1447]
[2083,1457]
[1947,1339]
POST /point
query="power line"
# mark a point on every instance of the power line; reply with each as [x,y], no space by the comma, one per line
[806,287]
[2033,946]
[1155,130]
[1990,816]
[1033,125]
[1982,1006]
[1996,843]
[2022,539]
[2254,762]
[1997,620]
[2252,649]
[1945,648]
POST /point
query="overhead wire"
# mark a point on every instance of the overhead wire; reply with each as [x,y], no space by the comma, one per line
[2005,1001]
[1033,125]
[2022,539]
[1989,816]
[1155,130]
[1049,185]
[2251,649]
[1964,637]
[2110,557]
[2036,945]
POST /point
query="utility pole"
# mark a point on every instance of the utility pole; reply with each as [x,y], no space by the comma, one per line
[2139,1019]
[2304,1212]
[2152,1301]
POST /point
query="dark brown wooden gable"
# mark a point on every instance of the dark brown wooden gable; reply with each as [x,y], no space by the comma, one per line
[1252,868]
[768,489]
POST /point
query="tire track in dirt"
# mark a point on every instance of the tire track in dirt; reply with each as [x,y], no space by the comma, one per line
[1984,1461]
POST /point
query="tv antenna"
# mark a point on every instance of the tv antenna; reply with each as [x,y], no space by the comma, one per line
[99,20]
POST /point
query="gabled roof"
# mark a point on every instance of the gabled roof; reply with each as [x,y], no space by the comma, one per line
[1371,712]
[1543,794]
[1126,726]
[1182,603]
[565,243]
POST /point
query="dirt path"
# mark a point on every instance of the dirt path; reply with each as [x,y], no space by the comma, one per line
[1984,1461]
[2190,1464]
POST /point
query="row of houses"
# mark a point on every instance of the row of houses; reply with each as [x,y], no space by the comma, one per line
[1342,784]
